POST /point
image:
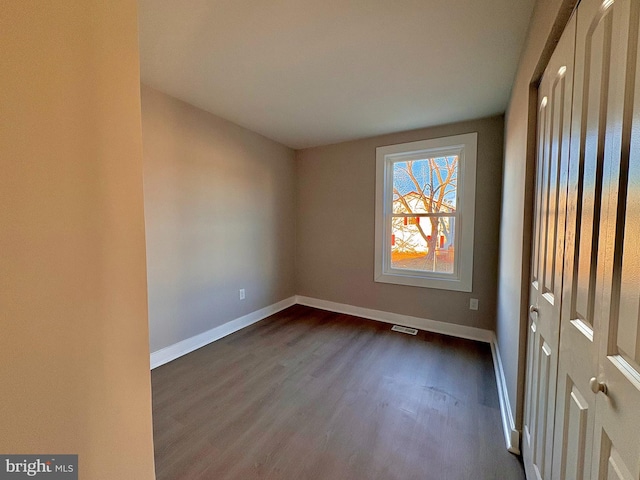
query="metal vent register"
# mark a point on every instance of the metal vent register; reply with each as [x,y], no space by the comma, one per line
[410,331]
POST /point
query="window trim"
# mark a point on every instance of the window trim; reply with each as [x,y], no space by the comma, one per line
[465,146]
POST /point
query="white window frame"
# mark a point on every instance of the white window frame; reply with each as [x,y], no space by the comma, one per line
[465,146]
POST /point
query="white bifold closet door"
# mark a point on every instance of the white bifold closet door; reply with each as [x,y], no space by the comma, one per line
[590,429]
[554,126]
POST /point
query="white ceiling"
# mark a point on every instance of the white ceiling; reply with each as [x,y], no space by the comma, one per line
[311,72]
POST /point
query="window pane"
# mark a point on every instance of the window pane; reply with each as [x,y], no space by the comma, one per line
[424,244]
[425,186]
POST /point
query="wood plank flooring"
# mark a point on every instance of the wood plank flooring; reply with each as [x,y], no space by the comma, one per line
[309,394]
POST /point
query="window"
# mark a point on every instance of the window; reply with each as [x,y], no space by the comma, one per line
[425,206]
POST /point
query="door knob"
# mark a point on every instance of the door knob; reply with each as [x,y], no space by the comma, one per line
[597,386]
[532,310]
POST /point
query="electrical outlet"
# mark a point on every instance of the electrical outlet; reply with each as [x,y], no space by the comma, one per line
[242,294]
[473,304]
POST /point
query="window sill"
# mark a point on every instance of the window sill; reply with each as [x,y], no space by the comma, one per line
[440,283]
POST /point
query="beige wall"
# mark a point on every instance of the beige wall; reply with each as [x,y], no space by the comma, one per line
[335,230]
[74,355]
[220,216]
[547,23]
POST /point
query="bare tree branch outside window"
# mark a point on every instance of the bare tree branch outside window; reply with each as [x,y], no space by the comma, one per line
[424,208]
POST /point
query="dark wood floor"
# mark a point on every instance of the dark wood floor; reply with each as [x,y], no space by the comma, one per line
[309,394]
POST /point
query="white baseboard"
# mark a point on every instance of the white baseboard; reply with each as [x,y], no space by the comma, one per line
[511,434]
[165,355]
[461,331]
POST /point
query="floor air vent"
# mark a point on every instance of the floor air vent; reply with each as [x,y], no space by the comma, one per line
[410,331]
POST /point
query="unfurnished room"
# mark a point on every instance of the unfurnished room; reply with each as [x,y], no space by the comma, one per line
[340,240]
